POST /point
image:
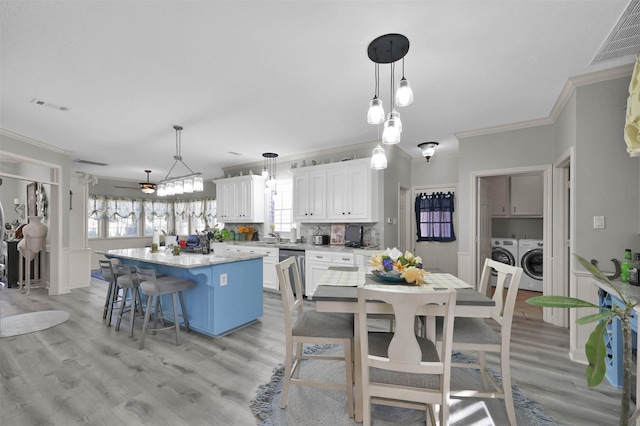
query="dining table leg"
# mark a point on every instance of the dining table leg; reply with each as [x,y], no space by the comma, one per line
[357,362]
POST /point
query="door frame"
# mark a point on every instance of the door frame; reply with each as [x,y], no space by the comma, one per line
[547,216]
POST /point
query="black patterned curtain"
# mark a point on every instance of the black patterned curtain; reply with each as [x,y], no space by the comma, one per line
[434,217]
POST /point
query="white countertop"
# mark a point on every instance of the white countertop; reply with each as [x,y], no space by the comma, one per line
[301,246]
[184,260]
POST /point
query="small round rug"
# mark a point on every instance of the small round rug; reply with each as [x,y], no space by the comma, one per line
[33,321]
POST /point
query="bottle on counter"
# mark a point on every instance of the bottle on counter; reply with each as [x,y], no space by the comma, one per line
[625,266]
[634,271]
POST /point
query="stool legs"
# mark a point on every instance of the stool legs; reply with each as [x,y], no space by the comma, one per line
[159,315]
[176,318]
[136,303]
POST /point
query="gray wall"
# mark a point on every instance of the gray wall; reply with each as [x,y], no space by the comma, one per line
[398,172]
[440,170]
[532,146]
[606,182]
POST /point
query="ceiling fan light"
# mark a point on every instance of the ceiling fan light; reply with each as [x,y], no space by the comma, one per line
[404,95]
[188,185]
[198,184]
[378,158]
[428,149]
[148,188]
[391,133]
[162,190]
[375,115]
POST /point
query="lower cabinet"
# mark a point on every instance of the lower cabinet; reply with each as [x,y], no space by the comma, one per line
[317,262]
[269,275]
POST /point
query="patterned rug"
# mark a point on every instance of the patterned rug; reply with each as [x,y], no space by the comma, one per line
[318,406]
[33,321]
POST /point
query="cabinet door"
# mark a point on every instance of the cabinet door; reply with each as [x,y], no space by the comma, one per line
[527,195]
[338,200]
[359,193]
[316,263]
[226,201]
[269,274]
[301,197]
[318,195]
[244,194]
[499,196]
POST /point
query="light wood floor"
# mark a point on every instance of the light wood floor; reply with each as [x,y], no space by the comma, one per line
[83,372]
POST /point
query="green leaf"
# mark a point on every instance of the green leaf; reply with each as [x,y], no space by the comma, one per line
[596,352]
[601,316]
[560,302]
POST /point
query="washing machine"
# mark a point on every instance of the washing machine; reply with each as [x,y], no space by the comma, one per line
[531,253]
[504,250]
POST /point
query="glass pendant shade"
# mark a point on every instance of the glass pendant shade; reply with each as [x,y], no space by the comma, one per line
[170,188]
[404,95]
[375,115]
[378,158]
[178,187]
[198,184]
[162,190]
[265,173]
[188,185]
[391,133]
[396,116]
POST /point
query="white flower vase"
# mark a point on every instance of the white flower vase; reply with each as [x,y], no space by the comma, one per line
[219,249]
[34,239]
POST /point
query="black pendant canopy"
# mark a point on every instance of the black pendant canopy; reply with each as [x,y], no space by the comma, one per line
[388,48]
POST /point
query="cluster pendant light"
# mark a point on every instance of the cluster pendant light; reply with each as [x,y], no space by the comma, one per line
[182,184]
[269,171]
[388,49]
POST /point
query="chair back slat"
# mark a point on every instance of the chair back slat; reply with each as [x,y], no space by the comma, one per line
[287,271]
[504,297]
[106,269]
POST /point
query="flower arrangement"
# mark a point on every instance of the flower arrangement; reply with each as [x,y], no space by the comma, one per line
[244,230]
[395,264]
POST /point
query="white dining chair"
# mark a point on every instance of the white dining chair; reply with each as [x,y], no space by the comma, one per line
[401,368]
[476,334]
[311,327]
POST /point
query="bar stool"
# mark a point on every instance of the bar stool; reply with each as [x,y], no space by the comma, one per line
[153,286]
[126,280]
[106,269]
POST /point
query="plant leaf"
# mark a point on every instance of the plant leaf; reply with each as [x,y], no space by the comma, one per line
[592,268]
[560,302]
[596,351]
[604,316]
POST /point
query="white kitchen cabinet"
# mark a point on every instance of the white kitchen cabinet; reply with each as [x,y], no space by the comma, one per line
[349,193]
[269,275]
[318,261]
[240,199]
[338,192]
[517,195]
[309,195]
[527,195]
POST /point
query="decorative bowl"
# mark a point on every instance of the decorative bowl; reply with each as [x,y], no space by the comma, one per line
[390,278]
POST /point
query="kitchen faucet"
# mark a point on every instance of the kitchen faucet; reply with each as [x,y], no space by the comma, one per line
[275,234]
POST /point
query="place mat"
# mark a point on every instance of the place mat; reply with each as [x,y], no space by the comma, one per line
[443,280]
[342,278]
[406,288]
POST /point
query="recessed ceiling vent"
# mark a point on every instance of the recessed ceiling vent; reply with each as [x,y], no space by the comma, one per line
[49,105]
[92,163]
[624,40]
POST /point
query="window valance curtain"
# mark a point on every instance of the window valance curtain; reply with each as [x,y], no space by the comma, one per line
[157,208]
[434,216]
[97,207]
[124,207]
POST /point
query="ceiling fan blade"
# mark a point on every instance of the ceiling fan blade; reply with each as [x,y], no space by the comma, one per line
[127,187]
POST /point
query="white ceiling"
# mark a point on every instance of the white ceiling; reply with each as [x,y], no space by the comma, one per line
[290,77]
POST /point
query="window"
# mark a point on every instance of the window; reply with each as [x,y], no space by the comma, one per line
[434,217]
[122,227]
[282,206]
[124,215]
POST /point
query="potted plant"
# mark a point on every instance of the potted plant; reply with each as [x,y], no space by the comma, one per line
[595,348]
[218,240]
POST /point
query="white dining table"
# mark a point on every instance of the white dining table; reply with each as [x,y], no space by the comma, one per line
[338,296]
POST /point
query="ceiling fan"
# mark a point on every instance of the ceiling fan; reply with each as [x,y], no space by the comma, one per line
[146,187]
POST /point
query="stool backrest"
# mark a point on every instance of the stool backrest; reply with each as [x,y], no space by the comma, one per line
[148,275]
[106,269]
[124,274]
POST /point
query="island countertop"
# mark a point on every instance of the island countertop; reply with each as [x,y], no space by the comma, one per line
[184,260]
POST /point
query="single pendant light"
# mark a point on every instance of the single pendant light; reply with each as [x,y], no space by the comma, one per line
[375,115]
[404,95]
[378,158]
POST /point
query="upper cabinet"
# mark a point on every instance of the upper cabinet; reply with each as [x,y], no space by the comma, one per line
[337,192]
[517,195]
[240,199]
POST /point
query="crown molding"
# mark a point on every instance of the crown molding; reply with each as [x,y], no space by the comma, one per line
[38,144]
[561,101]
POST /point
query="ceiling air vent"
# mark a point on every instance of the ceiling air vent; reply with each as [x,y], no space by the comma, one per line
[49,105]
[624,40]
[92,163]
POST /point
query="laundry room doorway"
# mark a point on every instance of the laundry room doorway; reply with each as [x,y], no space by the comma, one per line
[512,204]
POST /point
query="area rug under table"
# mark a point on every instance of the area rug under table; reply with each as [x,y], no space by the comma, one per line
[30,322]
[318,406]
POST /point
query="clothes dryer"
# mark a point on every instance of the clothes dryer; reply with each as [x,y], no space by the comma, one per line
[531,254]
[504,250]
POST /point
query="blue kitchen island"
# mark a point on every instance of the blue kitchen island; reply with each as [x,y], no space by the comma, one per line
[228,291]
